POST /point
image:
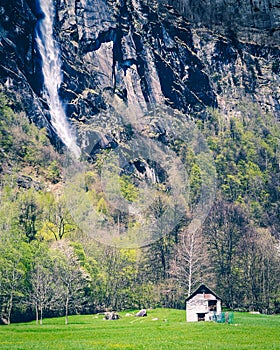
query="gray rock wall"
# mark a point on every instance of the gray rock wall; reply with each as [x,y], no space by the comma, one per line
[257,20]
[144,52]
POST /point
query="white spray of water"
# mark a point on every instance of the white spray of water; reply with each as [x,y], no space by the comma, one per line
[51,66]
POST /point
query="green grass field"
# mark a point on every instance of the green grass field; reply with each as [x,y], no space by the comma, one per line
[169,332]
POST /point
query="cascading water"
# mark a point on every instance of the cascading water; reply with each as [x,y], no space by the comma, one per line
[51,66]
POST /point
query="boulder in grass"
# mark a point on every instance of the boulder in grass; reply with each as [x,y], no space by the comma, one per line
[111,316]
[141,313]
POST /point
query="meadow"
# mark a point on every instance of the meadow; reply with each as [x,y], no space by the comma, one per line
[169,331]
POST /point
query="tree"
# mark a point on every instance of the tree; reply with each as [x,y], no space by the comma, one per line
[42,284]
[14,261]
[53,172]
[58,218]
[190,264]
[29,212]
[71,278]
[224,229]
[162,216]
[260,261]
[119,268]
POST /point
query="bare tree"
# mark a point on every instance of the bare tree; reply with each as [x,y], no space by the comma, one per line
[260,260]
[42,294]
[224,228]
[71,278]
[191,263]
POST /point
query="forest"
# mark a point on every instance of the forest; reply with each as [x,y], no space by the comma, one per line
[50,267]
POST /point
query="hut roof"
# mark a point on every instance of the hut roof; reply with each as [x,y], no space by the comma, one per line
[203,289]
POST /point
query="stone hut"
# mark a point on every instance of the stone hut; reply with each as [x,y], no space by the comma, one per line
[203,305]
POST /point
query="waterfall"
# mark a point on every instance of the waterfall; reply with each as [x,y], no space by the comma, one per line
[51,67]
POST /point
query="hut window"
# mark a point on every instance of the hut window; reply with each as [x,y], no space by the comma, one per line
[212,305]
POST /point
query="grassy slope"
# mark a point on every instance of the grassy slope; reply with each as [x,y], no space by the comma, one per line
[89,332]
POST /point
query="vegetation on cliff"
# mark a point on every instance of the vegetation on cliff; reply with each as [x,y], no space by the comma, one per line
[50,267]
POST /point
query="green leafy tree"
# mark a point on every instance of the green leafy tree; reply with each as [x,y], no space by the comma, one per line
[53,172]
[58,220]
[29,214]
[14,263]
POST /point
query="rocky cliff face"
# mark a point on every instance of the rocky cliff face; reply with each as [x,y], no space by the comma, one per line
[146,53]
[17,53]
[252,20]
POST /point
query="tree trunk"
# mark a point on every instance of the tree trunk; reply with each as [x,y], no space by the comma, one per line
[3,314]
[41,315]
[190,256]
[190,280]
[66,309]
[37,313]
[9,308]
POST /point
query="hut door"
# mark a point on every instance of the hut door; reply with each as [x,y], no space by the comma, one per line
[200,317]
